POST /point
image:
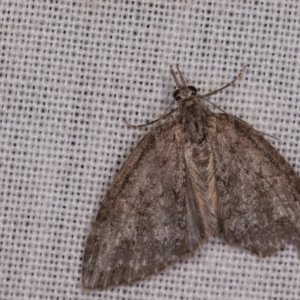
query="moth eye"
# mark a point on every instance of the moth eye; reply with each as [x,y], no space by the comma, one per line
[176,95]
[193,89]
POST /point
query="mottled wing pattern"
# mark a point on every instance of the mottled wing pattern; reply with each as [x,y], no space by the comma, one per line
[259,192]
[142,226]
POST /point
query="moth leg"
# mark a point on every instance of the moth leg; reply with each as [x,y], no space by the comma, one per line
[228,84]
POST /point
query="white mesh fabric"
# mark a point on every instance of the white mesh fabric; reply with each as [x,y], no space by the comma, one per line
[71,71]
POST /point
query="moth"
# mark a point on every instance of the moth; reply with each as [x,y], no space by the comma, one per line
[195,174]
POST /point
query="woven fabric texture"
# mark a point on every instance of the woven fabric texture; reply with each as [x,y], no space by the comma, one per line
[72,71]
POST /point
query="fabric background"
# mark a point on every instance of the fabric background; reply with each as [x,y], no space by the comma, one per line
[71,71]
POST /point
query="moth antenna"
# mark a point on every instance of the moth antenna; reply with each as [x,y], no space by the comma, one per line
[139,125]
[178,85]
[165,116]
[204,97]
[228,84]
[165,113]
[183,83]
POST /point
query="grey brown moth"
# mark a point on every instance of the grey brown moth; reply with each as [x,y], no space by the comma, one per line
[199,173]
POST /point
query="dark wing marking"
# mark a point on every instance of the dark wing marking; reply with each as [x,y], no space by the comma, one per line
[259,192]
[141,226]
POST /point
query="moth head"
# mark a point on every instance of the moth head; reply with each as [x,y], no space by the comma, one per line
[183,91]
